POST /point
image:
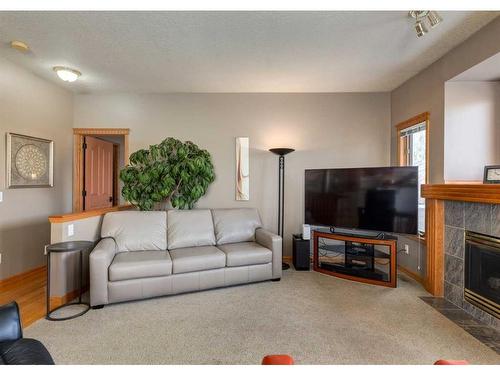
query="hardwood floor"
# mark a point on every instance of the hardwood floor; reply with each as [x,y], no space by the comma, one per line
[28,290]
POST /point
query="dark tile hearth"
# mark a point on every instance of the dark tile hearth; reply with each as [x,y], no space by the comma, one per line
[482,332]
[459,218]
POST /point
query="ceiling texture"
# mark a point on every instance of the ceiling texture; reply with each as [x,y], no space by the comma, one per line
[174,52]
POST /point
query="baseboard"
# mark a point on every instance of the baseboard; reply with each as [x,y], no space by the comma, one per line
[56,301]
[22,277]
[412,274]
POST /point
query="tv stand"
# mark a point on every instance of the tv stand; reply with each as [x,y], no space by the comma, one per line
[363,258]
[380,235]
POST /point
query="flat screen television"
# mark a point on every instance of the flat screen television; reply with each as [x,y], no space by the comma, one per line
[379,199]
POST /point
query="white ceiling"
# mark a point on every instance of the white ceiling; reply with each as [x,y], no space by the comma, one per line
[160,52]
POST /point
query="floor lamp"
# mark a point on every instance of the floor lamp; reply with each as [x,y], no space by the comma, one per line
[281,192]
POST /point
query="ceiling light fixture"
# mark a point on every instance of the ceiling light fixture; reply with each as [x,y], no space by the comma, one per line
[67,74]
[420,15]
[420,29]
[434,18]
[19,46]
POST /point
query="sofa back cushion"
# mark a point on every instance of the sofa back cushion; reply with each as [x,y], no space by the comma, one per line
[235,224]
[187,228]
[136,230]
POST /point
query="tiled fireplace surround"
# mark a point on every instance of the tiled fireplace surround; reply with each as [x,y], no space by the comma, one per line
[459,217]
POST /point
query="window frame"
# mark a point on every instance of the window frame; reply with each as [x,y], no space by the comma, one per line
[402,148]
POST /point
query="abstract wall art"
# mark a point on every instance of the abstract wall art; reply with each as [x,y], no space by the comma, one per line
[242,169]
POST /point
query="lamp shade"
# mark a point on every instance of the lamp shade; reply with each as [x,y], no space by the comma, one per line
[281,151]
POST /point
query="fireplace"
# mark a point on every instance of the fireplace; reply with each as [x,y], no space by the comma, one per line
[482,272]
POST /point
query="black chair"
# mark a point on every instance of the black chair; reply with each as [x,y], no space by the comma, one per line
[14,349]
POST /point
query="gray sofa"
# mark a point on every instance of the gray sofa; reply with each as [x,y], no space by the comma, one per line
[156,253]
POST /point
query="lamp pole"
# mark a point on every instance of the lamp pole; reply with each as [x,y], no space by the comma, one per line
[281,152]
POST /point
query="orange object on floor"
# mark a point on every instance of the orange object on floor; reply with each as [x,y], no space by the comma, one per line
[277,359]
[451,362]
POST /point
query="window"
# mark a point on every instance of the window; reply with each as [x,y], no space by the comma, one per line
[413,151]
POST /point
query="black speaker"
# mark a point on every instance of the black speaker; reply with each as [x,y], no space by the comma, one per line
[301,253]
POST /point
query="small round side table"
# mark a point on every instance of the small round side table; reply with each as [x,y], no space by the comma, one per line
[67,247]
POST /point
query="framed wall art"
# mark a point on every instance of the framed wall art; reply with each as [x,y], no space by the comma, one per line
[30,161]
[242,169]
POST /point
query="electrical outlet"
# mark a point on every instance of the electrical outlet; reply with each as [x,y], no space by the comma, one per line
[0,258]
[71,230]
[1,196]
[407,249]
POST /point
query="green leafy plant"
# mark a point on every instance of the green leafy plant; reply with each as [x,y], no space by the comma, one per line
[172,171]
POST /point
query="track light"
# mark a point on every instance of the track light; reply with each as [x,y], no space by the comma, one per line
[434,18]
[420,15]
[420,29]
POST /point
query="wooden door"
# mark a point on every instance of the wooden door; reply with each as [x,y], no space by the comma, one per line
[98,179]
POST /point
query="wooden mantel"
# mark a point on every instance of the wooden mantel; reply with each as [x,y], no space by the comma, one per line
[436,195]
[482,193]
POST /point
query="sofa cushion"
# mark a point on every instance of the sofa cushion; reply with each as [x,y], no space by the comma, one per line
[246,254]
[187,228]
[235,224]
[140,264]
[136,230]
[201,258]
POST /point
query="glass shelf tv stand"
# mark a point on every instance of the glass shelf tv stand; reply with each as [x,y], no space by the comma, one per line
[364,259]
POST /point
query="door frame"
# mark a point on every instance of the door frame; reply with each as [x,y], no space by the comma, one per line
[78,172]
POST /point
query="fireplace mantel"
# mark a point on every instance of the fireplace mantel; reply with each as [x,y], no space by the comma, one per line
[479,193]
[436,195]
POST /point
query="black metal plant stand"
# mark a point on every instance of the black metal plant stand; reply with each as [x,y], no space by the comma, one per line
[67,247]
[281,192]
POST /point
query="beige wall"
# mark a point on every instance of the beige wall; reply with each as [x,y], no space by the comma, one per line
[425,91]
[470,107]
[32,106]
[327,130]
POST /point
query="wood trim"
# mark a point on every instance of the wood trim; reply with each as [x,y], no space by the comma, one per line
[402,156]
[392,248]
[56,301]
[116,181]
[483,193]
[415,276]
[77,172]
[78,136]
[424,116]
[126,149]
[434,280]
[101,131]
[86,214]
[464,182]
[22,277]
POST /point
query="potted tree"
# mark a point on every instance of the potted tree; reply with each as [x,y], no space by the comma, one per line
[172,172]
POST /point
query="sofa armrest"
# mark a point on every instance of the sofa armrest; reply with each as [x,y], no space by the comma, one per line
[274,243]
[10,322]
[100,260]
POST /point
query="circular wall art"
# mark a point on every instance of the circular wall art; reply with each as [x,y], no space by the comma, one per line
[30,162]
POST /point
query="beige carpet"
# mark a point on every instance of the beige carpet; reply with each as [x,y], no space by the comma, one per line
[318,319]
